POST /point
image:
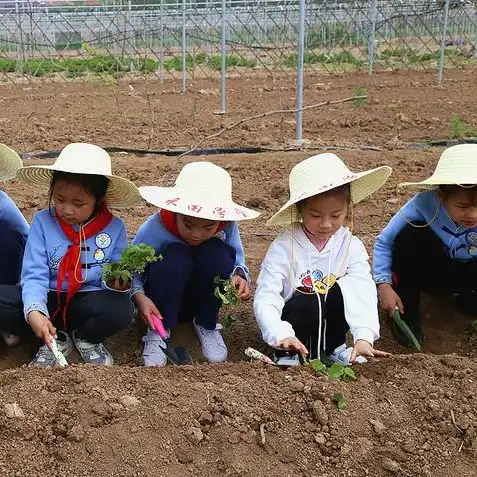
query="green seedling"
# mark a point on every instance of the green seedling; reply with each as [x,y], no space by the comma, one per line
[359,102]
[335,371]
[461,129]
[340,401]
[226,292]
[338,371]
[134,259]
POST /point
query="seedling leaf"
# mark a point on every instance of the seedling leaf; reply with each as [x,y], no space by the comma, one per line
[336,371]
[318,366]
[134,259]
[348,373]
[340,401]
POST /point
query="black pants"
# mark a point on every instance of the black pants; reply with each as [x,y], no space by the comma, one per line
[302,312]
[95,315]
[420,263]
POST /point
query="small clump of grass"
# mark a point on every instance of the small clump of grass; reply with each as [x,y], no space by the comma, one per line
[460,129]
[360,102]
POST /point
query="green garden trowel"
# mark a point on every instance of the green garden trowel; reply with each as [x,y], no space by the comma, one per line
[406,332]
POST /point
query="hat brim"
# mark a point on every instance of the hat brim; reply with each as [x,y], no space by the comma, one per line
[177,200]
[427,184]
[121,192]
[10,162]
[363,184]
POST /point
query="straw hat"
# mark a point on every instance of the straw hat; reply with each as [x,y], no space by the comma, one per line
[201,190]
[322,173]
[457,166]
[10,162]
[82,158]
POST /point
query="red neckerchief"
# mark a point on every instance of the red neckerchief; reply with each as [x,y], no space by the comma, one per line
[70,266]
[170,223]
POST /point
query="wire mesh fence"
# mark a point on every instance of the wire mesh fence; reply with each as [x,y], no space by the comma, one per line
[58,40]
[171,39]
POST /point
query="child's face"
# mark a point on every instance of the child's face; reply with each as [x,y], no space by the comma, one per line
[195,231]
[73,203]
[460,208]
[324,214]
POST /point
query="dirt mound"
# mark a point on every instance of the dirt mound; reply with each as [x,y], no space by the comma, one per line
[412,416]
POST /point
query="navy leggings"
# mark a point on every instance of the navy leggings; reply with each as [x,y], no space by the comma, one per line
[181,285]
[12,244]
[95,315]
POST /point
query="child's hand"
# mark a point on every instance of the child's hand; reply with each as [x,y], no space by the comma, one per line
[41,326]
[242,286]
[389,299]
[365,348]
[146,308]
[119,285]
[293,344]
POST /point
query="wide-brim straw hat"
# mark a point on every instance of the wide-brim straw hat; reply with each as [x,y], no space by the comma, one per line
[202,190]
[321,173]
[457,166]
[82,158]
[10,162]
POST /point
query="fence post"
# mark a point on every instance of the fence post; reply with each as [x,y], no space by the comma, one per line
[184,64]
[223,59]
[299,73]
[443,41]
[161,43]
[372,33]
[19,67]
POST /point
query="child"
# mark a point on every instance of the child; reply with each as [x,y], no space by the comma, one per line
[14,229]
[61,284]
[431,243]
[315,282]
[196,233]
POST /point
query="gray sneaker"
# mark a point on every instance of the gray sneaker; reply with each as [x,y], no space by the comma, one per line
[153,353]
[92,353]
[44,358]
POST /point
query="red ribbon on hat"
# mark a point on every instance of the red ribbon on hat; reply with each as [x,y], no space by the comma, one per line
[70,266]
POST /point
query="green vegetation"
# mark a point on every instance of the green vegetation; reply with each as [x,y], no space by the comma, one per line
[459,129]
[359,103]
[335,371]
[99,64]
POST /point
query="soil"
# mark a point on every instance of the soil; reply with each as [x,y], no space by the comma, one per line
[130,421]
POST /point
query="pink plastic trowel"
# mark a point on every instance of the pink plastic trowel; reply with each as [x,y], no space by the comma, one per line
[158,326]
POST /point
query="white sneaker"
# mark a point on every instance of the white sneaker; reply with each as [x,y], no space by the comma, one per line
[342,354]
[213,346]
[92,353]
[45,358]
[153,353]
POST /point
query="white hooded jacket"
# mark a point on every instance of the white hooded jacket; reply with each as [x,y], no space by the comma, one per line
[292,262]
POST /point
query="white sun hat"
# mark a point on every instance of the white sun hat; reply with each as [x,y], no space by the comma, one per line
[457,166]
[10,162]
[324,172]
[82,158]
[201,190]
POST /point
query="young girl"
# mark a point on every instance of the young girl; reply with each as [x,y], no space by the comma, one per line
[14,229]
[315,283]
[196,233]
[61,284]
[431,243]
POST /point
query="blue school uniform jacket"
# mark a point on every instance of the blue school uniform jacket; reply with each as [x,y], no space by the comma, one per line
[13,235]
[46,246]
[460,243]
[153,232]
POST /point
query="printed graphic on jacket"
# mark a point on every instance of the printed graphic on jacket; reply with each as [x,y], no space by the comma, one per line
[315,282]
[102,242]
